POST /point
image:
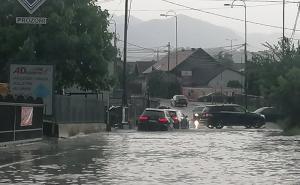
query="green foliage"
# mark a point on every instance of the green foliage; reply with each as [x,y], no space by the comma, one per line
[287,96]
[234,84]
[75,40]
[275,75]
[267,66]
[163,84]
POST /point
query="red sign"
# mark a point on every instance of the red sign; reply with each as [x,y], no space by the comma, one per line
[26,116]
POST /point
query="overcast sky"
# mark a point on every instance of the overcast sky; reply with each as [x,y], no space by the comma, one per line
[265,12]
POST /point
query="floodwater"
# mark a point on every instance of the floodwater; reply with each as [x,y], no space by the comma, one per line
[227,156]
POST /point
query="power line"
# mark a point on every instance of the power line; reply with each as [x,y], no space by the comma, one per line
[138,46]
[227,17]
[188,9]
[256,1]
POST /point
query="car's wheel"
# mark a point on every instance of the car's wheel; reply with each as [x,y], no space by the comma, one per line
[139,128]
[219,125]
[210,126]
[248,125]
[258,123]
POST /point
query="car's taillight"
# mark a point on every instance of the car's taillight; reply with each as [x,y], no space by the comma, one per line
[175,119]
[163,120]
[206,115]
[143,118]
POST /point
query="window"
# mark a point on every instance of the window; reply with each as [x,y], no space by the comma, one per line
[238,109]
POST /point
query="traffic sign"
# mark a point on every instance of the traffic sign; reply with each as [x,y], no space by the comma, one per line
[31,5]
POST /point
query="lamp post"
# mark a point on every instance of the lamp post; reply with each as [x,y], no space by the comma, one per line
[245,49]
[115,42]
[176,30]
[115,31]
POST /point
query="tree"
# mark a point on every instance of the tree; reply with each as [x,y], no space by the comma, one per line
[275,75]
[287,96]
[163,84]
[75,40]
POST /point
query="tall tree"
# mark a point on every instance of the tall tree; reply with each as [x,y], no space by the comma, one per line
[75,40]
[275,75]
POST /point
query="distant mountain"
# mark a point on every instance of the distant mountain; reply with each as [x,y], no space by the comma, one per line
[192,33]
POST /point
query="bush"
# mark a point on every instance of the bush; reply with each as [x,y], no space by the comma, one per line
[287,96]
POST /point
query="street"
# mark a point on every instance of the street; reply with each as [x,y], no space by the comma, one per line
[202,156]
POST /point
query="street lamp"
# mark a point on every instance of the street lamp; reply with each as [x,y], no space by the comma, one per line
[245,45]
[115,42]
[175,15]
[112,21]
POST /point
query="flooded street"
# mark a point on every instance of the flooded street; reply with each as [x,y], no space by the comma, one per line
[227,156]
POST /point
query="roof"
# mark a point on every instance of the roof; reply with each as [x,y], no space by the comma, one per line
[162,65]
[141,66]
[203,66]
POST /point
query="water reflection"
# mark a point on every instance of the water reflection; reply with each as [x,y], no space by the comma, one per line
[228,156]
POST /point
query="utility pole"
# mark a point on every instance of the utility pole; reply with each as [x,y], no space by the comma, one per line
[169,48]
[124,97]
[283,19]
[157,55]
[246,59]
[176,40]
[283,27]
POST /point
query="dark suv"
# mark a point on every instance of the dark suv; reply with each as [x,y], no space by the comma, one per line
[155,119]
[218,116]
[179,100]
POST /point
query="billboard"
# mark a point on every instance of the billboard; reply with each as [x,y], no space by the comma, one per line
[33,80]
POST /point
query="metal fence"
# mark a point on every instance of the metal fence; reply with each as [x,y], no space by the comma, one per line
[11,128]
[79,109]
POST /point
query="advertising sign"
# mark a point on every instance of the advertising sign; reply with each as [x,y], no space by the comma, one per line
[26,116]
[33,80]
[31,5]
[31,20]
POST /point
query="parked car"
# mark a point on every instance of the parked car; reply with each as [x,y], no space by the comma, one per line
[198,110]
[164,107]
[271,114]
[179,100]
[213,97]
[218,116]
[155,119]
[179,119]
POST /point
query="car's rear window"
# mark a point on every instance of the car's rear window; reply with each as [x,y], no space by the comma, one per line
[198,109]
[217,108]
[180,97]
[154,114]
[172,113]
